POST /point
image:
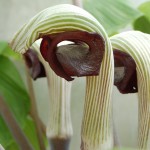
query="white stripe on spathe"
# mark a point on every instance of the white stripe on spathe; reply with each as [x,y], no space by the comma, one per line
[96,132]
[137,45]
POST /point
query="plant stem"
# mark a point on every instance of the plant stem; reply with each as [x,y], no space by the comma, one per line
[14,127]
[77,3]
[34,112]
[96,133]
[59,128]
[59,144]
[105,135]
[43,127]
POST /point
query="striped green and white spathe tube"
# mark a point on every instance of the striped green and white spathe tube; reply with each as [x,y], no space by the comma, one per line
[96,131]
[137,45]
[59,123]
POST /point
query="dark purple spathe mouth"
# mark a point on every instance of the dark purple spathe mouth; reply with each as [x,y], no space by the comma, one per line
[82,57]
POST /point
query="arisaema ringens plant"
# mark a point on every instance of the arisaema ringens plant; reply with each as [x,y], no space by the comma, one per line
[136,44]
[50,27]
[67,22]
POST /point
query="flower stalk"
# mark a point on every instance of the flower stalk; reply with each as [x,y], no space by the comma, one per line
[34,112]
[97,120]
[16,131]
[137,45]
[59,128]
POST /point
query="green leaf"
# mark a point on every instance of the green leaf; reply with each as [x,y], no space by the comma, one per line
[15,95]
[5,50]
[12,146]
[13,90]
[3,46]
[6,138]
[143,23]
[30,132]
[112,14]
